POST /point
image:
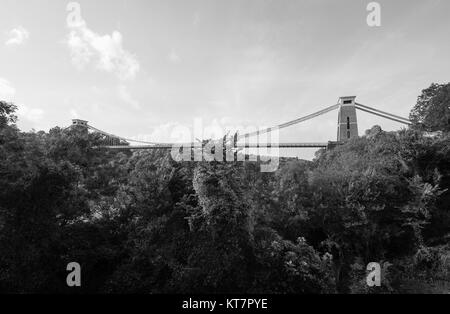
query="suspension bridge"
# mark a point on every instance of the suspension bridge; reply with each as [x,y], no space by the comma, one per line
[347,128]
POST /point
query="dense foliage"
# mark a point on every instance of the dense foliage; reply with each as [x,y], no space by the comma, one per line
[432,111]
[139,222]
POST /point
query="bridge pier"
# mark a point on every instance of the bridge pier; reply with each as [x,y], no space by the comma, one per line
[347,122]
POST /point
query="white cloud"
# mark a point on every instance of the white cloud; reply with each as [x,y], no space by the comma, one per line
[31,114]
[80,51]
[196,20]
[125,95]
[17,36]
[105,51]
[174,57]
[74,114]
[164,133]
[7,91]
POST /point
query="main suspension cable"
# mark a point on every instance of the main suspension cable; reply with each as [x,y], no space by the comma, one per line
[383,116]
[286,124]
[382,112]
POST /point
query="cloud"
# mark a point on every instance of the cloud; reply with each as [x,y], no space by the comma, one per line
[80,51]
[31,114]
[7,91]
[196,20]
[125,95]
[174,57]
[166,133]
[105,51]
[17,36]
[74,114]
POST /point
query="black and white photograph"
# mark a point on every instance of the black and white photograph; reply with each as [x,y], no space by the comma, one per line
[224,152]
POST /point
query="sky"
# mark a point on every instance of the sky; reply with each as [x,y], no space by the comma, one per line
[144,68]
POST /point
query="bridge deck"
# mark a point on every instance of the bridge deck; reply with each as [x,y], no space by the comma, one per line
[249,145]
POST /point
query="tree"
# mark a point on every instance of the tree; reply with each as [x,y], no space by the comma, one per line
[38,198]
[224,256]
[370,201]
[432,110]
[7,113]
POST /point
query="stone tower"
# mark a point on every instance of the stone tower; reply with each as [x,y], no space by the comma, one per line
[347,123]
[80,122]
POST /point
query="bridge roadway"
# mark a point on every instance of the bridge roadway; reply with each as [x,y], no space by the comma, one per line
[239,146]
